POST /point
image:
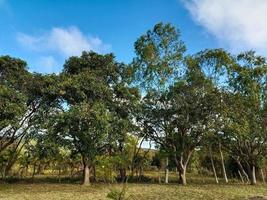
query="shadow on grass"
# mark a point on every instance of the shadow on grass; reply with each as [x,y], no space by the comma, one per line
[42,179]
[192,181]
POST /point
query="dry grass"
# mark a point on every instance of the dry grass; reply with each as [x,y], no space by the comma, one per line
[46,191]
[198,188]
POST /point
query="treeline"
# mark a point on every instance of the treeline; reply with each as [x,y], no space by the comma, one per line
[208,108]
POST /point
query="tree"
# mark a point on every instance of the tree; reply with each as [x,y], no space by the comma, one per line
[159,53]
[179,119]
[13,99]
[87,127]
[246,129]
[88,87]
[25,99]
[242,82]
[125,108]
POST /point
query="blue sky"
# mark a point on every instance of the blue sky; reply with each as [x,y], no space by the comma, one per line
[46,32]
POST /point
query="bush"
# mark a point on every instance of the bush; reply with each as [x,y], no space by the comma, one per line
[116,194]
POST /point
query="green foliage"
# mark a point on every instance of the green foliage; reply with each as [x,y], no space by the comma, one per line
[12,106]
[159,53]
[93,113]
[13,79]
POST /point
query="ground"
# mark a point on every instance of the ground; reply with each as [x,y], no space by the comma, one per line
[55,191]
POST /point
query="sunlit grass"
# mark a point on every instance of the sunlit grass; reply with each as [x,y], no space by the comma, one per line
[50,191]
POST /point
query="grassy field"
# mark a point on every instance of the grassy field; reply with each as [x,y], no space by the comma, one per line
[199,188]
[51,191]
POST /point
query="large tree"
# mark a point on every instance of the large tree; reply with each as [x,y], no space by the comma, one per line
[95,105]
[179,119]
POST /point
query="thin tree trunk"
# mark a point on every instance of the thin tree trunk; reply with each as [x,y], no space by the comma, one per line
[242,169]
[213,167]
[223,165]
[59,174]
[4,173]
[33,173]
[141,170]
[71,171]
[38,169]
[159,177]
[167,171]
[26,170]
[241,177]
[262,176]
[254,181]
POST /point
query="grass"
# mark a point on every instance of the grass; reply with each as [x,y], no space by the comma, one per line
[198,188]
[51,191]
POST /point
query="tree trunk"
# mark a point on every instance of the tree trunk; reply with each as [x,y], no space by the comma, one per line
[241,177]
[122,174]
[253,181]
[252,174]
[181,163]
[33,173]
[86,174]
[11,163]
[167,171]
[38,171]
[59,175]
[132,170]
[159,177]
[71,171]
[213,167]
[223,165]
[182,175]
[4,173]
[26,170]
[242,169]
[262,176]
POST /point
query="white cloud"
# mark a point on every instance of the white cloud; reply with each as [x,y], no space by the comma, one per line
[48,64]
[30,42]
[241,24]
[67,41]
